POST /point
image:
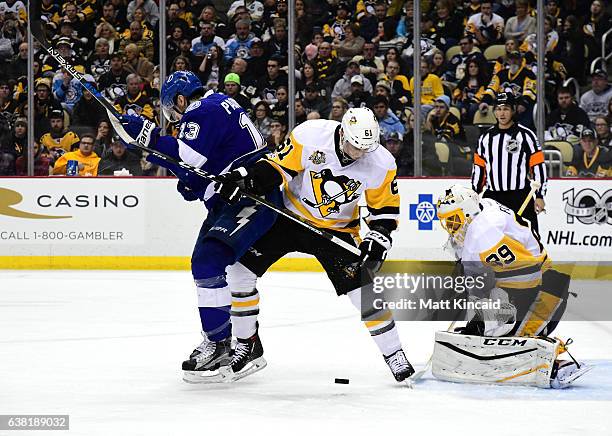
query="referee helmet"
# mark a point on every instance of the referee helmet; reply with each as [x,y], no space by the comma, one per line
[505,99]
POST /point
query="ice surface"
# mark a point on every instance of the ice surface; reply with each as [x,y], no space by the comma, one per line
[105,347]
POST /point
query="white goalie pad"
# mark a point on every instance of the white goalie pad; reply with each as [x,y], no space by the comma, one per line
[494,360]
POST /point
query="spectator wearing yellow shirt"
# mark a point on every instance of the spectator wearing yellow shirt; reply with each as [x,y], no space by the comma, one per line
[58,137]
[431,88]
[87,158]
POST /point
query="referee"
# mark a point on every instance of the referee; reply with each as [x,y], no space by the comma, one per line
[507,157]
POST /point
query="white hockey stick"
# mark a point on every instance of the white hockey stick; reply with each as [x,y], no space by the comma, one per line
[38,33]
[535,185]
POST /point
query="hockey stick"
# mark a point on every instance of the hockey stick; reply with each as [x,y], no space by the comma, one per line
[535,185]
[38,33]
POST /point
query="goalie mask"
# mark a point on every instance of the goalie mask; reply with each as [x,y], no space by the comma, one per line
[456,209]
[360,129]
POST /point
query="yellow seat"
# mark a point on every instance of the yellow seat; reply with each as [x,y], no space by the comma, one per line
[495,51]
[452,51]
[566,149]
[455,111]
[442,151]
[486,119]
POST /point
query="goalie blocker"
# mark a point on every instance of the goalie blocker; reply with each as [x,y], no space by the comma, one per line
[525,361]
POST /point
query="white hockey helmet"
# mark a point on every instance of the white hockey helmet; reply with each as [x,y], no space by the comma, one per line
[360,129]
[456,209]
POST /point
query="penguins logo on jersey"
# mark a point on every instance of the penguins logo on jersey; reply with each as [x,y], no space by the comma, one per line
[133,109]
[317,157]
[514,88]
[331,191]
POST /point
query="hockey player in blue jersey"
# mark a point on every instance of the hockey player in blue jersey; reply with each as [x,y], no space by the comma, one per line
[215,134]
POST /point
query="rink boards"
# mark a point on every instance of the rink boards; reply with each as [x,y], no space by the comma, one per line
[143,223]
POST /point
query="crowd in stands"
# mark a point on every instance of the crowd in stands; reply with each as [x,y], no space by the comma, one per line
[356,53]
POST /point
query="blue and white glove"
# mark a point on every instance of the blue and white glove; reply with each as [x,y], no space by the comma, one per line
[143,131]
[187,192]
[374,248]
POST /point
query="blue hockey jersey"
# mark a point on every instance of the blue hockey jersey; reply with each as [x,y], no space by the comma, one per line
[214,133]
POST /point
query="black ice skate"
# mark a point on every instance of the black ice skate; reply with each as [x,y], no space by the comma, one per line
[247,357]
[208,363]
[399,365]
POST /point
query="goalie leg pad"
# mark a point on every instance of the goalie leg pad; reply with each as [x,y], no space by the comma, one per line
[494,360]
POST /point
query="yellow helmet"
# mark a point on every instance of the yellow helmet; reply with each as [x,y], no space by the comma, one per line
[456,209]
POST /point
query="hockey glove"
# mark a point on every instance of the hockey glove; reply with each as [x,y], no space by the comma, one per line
[143,131]
[374,248]
[228,185]
[187,193]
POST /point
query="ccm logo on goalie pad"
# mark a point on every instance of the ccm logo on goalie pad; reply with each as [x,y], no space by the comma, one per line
[505,342]
[479,357]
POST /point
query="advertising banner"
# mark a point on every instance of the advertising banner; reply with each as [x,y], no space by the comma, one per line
[577,224]
[144,218]
[96,217]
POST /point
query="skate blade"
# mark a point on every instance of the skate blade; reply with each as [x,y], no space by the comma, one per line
[221,375]
[253,367]
[575,375]
[419,374]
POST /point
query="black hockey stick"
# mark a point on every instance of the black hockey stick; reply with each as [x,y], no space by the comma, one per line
[37,30]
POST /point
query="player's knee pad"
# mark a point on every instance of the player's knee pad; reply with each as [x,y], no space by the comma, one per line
[240,278]
[213,292]
[377,321]
[210,259]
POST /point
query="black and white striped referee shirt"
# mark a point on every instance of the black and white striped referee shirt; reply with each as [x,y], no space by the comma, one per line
[506,159]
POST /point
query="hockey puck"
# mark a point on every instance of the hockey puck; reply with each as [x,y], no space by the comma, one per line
[342,381]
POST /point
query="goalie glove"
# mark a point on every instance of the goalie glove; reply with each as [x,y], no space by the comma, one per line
[144,132]
[374,248]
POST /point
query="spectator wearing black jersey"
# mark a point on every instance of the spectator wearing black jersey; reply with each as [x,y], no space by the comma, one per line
[592,160]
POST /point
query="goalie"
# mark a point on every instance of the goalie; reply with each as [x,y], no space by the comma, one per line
[506,340]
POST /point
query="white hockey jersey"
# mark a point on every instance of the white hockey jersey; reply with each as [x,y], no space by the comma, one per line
[318,187]
[497,238]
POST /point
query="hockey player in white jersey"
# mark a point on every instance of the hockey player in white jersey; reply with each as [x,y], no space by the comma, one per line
[324,168]
[522,307]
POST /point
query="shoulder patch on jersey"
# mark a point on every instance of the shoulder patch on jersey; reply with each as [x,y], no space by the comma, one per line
[194,105]
[317,157]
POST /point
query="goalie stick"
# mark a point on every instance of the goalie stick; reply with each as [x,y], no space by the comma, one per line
[37,30]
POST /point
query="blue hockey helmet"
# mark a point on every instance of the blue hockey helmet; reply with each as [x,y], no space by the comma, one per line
[183,83]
